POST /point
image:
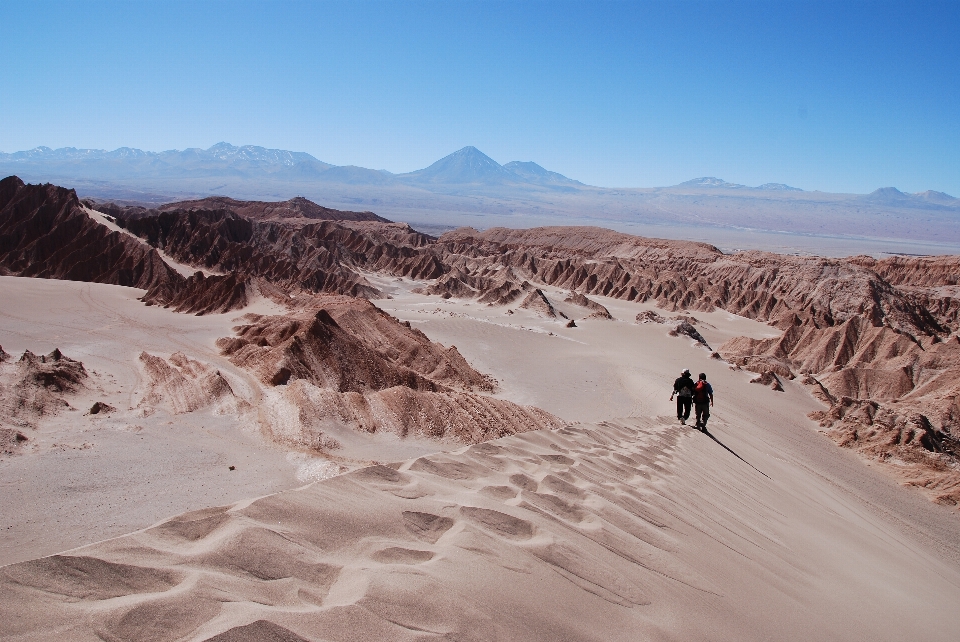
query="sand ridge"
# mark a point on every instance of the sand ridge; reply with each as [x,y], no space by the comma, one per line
[615,530]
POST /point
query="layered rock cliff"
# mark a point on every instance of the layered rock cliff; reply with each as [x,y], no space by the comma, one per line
[45,232]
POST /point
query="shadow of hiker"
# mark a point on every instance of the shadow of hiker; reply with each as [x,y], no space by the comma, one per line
[727,448]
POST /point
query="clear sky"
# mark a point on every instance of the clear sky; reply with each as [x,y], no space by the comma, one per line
[843,97]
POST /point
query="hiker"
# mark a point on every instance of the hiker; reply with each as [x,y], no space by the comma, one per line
[683,389]
[702,399]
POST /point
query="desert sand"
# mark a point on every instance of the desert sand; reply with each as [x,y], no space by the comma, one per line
[303,424]
[622,525]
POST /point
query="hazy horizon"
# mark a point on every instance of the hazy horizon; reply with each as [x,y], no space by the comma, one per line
[468,147]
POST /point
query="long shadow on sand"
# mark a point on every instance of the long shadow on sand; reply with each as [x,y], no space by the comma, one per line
[727,448]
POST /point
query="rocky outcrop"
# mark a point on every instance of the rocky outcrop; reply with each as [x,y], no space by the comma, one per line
[770,380]
[181,384]
[11,441]
[316,349]
[597,311]
[35,386]
[403,345]
[200,294]
[348,345]
[649,316]
[100,407]
[350,364]
[468,279]
[686,329]
[538,302]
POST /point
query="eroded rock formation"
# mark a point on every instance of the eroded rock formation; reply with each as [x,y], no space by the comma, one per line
[344,362]
[538,302]
[686,328]
[181,385]
[33,387]
[45,232]
[597,311]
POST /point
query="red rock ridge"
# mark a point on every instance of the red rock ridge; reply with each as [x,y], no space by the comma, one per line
[45,233]
[925,271]
[295,210]
[597,311]
[319,257]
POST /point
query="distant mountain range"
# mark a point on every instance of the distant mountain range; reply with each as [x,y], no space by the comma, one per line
[464,167]
[469,187]
[467,166]
[710,181]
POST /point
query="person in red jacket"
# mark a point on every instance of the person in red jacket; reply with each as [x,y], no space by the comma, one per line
[702,400]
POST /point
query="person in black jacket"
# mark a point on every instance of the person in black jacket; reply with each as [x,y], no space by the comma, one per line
[683,389]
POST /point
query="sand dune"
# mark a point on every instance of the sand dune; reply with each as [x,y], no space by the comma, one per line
[627,530]
[70,477]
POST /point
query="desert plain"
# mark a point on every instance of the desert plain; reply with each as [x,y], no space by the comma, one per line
[367,433]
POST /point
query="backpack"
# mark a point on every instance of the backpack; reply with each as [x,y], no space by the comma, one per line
[700,392]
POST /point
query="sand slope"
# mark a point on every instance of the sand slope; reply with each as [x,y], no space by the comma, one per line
[637,529]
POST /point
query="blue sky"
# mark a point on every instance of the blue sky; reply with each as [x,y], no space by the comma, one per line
[843,97]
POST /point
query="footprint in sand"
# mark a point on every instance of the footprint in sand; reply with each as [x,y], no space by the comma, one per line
[523,482]
[500,523]
[381,474]
[426,526]
[502,493]
[447,470]
[398,555]
[89,578]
